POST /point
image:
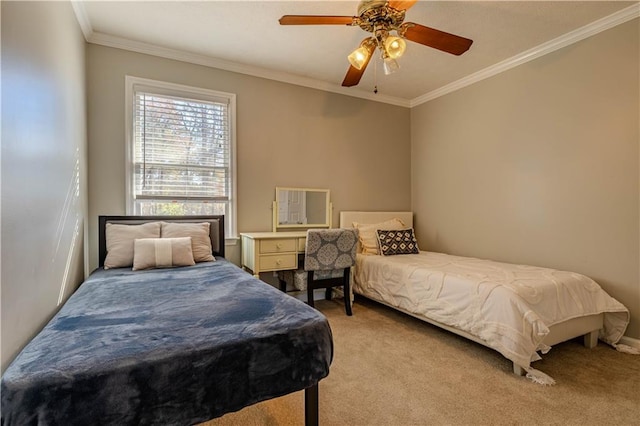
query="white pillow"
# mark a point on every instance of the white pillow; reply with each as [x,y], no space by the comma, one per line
[119,239]
[199,233]
[162,253]
[367,233]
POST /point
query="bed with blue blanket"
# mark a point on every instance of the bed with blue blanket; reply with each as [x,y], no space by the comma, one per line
[167,346]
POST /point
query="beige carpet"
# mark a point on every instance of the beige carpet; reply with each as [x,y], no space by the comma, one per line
[391,369]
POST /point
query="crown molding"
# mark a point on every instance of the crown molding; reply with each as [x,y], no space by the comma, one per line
[575,36]
[121,43]
[83,18]
[150,49]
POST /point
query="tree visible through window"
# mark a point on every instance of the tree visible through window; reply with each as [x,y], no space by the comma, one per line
[182,152]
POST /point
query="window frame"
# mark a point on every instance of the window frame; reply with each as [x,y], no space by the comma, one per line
[132,84]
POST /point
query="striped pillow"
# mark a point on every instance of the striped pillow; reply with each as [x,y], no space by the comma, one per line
[151,253]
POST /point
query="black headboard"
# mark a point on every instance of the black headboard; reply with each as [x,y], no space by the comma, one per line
[216,229]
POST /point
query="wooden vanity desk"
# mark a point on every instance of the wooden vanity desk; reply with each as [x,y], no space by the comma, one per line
[294,211]
[271,251]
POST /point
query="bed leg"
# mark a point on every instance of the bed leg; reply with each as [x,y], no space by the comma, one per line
[591,339]
[517,370]
[311,406]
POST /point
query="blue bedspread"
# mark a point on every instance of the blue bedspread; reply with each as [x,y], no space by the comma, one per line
[175,346]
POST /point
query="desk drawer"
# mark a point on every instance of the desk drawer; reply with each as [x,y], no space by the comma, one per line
[276,262]
[301,244]
[278,245]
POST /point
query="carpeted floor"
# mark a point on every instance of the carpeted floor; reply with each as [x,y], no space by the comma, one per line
[391,369]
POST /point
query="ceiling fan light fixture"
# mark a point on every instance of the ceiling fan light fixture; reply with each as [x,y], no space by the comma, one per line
[381,18]
[390,65]
[358,57]
[395,46]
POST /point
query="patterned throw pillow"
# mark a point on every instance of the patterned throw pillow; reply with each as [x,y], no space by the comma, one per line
[397,242]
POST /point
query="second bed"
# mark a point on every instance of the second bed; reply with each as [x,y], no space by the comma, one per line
[517,310]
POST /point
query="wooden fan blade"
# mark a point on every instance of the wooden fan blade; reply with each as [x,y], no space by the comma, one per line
[315,20]
[437,39]
[354,74]
[402,5]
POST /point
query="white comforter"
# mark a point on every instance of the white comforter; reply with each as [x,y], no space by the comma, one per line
[510,307]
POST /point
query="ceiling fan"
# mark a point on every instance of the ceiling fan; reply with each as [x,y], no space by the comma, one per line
[381,17]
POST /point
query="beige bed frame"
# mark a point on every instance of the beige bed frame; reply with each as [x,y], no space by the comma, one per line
[587,326]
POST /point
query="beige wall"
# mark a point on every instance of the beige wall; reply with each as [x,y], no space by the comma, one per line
[43,166]
[539,165]
[287,136]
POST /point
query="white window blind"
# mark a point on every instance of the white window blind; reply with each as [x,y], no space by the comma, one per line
[182,153]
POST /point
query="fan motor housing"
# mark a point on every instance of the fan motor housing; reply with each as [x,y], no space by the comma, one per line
[375,14]
[366,5]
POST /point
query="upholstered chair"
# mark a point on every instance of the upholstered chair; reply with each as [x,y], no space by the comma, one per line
[329,256]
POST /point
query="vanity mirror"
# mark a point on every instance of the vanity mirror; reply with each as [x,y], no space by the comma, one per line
[301,208]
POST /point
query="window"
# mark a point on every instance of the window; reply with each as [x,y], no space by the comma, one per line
[181,151]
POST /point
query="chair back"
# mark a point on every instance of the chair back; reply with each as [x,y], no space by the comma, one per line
[329,249]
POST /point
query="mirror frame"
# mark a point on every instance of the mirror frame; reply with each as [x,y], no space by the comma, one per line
[328,210]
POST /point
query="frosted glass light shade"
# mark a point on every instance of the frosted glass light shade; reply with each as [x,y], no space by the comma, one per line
[395,46]
[390,66]
[358,57]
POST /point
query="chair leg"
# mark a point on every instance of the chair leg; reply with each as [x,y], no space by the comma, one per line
[347,291]
[327,293]
[310,289]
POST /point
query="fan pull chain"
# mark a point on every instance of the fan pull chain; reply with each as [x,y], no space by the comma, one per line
[375,77]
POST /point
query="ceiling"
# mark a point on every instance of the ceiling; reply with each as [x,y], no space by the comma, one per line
[244,36]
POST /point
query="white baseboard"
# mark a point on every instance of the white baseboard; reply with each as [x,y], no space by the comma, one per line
[635,343]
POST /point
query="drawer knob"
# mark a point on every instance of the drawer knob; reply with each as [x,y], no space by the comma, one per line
[279,245]
[278,262]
